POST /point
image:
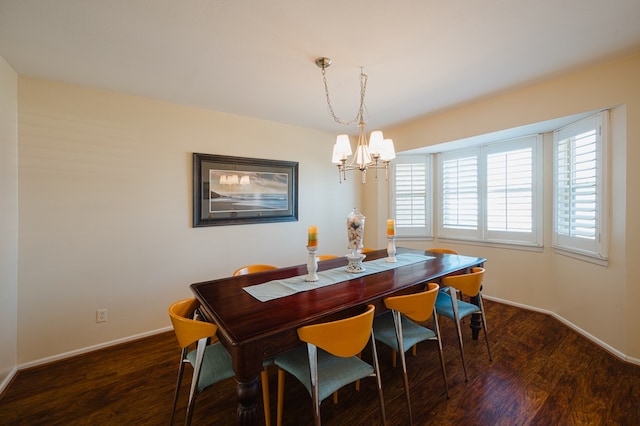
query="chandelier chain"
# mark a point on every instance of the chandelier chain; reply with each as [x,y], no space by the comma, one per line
[363,88]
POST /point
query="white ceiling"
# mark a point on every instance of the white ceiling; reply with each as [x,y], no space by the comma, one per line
[256,58]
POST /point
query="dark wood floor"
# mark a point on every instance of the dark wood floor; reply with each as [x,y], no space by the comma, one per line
[542,374]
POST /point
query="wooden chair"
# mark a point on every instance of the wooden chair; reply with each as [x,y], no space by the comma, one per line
[448,305]
[211,362]
[330,354]
[399,329]
[252,269]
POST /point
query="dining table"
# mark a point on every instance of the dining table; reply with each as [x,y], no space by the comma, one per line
[258,314]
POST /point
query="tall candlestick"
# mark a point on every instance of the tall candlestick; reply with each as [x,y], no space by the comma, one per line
[391,250]
[313,236]
[391,228]
[312,264]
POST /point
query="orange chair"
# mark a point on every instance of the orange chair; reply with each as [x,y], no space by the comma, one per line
[252,269]
[329,360]
[211,362]
[443,250]
[448,305]
[400,328]
[326,256]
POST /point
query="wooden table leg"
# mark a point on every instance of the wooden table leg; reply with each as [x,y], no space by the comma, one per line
[247,364]
[476,321]
[247,406]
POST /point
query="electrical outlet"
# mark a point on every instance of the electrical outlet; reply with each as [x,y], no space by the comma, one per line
[101,315]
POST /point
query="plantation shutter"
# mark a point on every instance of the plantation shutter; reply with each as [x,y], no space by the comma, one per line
[510,191]
[459,191]
[412,211]
[578,186]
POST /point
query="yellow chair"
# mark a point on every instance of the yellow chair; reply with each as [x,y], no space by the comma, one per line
[367,250]
[399,328]
[443,250]
[252,269]
[326,256]
[331,356]
[448,305]
[211,362]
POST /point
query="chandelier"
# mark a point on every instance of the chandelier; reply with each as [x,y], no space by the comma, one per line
[376,153]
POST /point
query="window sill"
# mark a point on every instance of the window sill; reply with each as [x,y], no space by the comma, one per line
[582,256]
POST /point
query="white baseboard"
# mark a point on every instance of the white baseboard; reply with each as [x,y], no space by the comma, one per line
[91,348]
[603,345]
[8,379]
[69,354]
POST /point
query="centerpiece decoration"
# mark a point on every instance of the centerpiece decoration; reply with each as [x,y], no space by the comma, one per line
[355,234]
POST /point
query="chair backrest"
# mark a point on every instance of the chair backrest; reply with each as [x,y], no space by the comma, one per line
[367,250]
[326,256]
[252,269]
[417,306]
[343,338]
[188,330]
[443,250]
[468,284]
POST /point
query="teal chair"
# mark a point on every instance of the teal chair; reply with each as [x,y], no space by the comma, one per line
[399,328]
[330,359]
[211,362]
[448,304]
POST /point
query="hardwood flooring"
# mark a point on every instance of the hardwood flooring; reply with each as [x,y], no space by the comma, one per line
[542,374]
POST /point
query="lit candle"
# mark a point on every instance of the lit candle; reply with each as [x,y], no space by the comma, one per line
[313,236]
[391,228]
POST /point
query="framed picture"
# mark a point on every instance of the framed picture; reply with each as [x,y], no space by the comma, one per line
[238,190]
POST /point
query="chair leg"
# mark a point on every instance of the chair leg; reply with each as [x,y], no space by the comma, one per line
[178,383]
[376,368]
[397,322]
[464,364]
[264,377]
[405,378]
[193,392]
[280,403]
[484,325]
[436,326]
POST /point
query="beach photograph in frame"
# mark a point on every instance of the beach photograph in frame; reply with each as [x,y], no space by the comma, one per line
[238,190]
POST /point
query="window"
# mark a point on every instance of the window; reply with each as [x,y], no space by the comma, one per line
[412,196]
[579,187]
[493,192]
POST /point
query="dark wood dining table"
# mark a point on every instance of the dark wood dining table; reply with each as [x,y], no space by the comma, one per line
[255,331]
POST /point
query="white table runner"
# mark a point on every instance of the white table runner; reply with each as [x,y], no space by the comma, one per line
[281,288]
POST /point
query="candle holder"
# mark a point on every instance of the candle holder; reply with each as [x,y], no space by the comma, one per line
[355,262]
[312,264]
[391,250]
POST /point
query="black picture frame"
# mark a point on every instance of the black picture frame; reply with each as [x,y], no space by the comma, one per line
[238,190]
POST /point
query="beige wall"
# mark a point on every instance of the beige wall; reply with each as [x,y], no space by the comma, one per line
[105,211]
[105,216]
[8,220]
[599,301]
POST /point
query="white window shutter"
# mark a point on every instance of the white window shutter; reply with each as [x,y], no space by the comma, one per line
[579,187]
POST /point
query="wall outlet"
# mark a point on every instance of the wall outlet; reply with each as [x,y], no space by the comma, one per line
[101,315]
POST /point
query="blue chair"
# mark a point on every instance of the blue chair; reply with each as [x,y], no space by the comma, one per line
[398,328]
[329,360]
[448,305]
[211,362]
